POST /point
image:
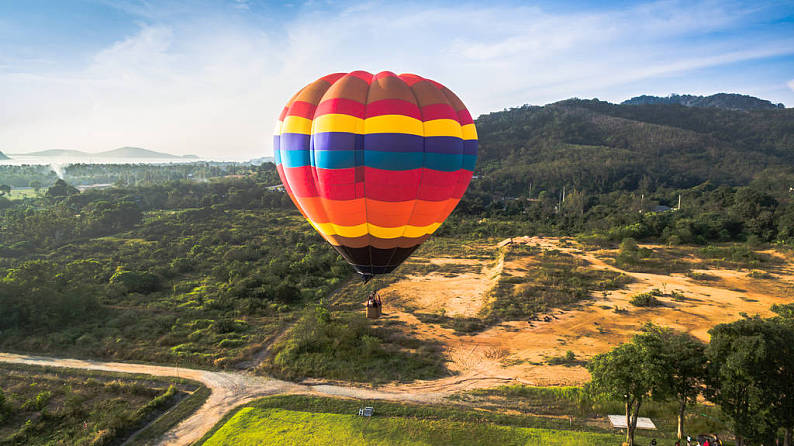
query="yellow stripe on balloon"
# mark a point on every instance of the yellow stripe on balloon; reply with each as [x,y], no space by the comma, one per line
[337,122]
[277,130]
[393,124]
[296,124]
[374,230]
[442,127]
[469,131]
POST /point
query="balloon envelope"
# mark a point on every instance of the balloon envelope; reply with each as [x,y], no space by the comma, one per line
[375,162]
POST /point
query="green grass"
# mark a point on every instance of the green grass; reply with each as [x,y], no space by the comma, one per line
[255,426]
[19,194]
[398,423]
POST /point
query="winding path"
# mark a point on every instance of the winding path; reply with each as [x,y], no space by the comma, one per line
[231,389]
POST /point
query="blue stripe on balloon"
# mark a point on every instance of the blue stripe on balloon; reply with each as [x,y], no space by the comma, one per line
[343,159]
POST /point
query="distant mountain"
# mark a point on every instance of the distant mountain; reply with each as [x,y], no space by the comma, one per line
[56,153]
[134,152]
[728,101]
[122,152]
[3,156]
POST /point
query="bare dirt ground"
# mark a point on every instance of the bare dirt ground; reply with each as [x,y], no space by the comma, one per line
[519,350]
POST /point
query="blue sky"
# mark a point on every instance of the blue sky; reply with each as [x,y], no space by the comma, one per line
[209,77]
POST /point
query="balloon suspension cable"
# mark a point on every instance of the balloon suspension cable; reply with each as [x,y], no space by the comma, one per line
[365,277]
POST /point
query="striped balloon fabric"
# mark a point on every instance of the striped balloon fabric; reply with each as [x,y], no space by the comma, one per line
[375,162]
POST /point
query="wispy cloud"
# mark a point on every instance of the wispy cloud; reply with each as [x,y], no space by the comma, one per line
[211,83]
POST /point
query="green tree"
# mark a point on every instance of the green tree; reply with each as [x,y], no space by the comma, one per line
[744,374]
[36,185]
[61,189]
[784,406]
[4,189]
[680,357]
[623,373]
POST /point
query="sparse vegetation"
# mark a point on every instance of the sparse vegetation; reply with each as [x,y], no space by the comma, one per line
[758,274]
[697,275]
[42,405]
[645,300]
[557,279]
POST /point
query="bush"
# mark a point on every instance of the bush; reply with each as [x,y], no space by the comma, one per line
[758,274]
[135,282]
[645,300]
[700,276]
[39,402]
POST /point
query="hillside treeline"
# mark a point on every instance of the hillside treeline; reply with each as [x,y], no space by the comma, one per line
[617,171]
[598,147]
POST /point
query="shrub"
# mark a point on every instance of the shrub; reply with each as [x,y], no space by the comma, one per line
[135,282]
[645,300]
[700,276]
[758,274]
[39,402]
[569,359]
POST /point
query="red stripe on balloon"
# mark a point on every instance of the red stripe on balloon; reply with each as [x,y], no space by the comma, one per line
[464,117]
[341,106]
[302,109]
[383,185]
[301,181]
[438,111]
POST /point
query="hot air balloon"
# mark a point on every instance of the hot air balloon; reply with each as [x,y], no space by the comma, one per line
[375,162]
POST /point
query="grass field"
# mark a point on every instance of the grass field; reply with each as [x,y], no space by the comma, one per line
[18,194]
[253,426]
[299,420]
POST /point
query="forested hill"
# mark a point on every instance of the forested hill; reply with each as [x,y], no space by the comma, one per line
[599,147]
[730,101]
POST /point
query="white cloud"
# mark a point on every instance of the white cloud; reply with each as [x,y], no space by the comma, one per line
[213,85]
[791,84]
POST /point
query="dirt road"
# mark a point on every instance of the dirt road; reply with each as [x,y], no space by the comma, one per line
[231,389]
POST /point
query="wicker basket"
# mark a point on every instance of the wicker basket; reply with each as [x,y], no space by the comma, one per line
[373,312]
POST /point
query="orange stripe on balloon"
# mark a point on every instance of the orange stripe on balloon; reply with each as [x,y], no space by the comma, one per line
[380,213]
